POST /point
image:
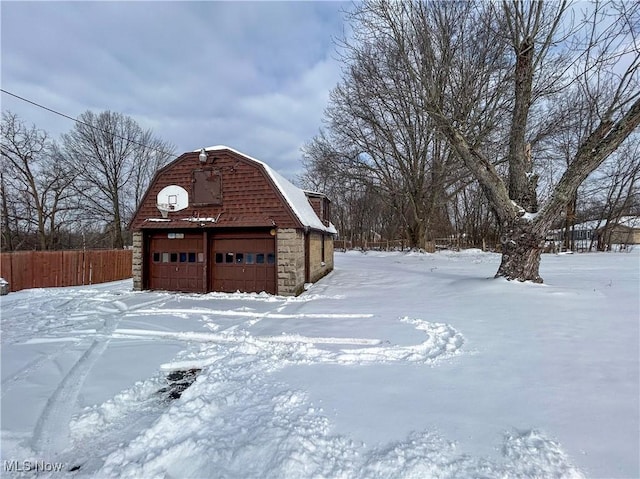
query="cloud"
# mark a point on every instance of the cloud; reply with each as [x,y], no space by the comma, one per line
[252,75]
[294,114]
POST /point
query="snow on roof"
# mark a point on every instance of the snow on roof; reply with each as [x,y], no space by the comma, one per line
[295,197]
[630,221]
[314,193]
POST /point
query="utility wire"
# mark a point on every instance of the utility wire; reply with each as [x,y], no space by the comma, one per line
[84,123]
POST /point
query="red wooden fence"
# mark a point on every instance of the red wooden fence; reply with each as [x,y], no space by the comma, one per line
[44,269]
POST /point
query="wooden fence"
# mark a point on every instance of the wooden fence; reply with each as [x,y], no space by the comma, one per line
[44,269]
[451,243]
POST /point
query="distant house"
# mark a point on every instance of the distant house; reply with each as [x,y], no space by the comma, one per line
[218,220]
[625,231]
[602,234]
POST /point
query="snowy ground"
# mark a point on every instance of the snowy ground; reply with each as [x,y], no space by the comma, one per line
[395,365]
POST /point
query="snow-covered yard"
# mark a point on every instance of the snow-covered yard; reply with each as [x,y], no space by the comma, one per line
[395,365]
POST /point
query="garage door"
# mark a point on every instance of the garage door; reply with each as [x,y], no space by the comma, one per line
[176,262]
[244,264]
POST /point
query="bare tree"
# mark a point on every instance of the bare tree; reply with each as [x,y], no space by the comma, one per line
[597,58]
[373,116]
[472,217]
[359,212]
[8,231]
[379,121]
[114,159]
[152,154]
[35,183]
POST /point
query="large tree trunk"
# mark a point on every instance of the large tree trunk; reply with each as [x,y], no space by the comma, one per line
[521,249]
[416,234]
[6,229]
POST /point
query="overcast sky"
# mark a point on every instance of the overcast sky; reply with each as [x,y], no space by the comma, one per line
[251,75]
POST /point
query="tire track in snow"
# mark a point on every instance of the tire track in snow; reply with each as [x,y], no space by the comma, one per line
[51,433]
[441,342]
[228,338]
[30,367]
[251,314]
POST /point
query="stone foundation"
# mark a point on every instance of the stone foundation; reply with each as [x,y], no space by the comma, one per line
[137,260]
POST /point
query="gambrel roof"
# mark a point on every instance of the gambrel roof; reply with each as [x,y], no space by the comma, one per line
[295,197]
[255,195]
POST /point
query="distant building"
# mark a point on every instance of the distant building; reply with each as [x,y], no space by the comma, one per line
[218,220]
[624,232]
[600,234]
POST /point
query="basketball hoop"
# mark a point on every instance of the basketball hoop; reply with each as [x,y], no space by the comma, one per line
[164,209]
[172,198]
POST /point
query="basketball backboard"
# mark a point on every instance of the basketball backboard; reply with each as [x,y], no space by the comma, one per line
[172,198]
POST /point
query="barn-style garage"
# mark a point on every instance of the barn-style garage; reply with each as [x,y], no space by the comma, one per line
[218,220]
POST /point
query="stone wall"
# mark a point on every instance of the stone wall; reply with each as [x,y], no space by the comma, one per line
[137,260]
[290,251]
[320,266]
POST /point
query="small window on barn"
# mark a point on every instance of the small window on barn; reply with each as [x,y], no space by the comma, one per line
[207,187]
[271,258]
[219,258]
[192,257]
[156,257]
[251,258]
[174,257]
[239,258]
[165,257]
[200,257]
[183,257]
[260,258]
[228,258]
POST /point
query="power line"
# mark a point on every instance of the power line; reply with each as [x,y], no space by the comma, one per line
[84,123]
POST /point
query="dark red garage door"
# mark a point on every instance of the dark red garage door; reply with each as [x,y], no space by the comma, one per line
[244,263]
[176,262]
